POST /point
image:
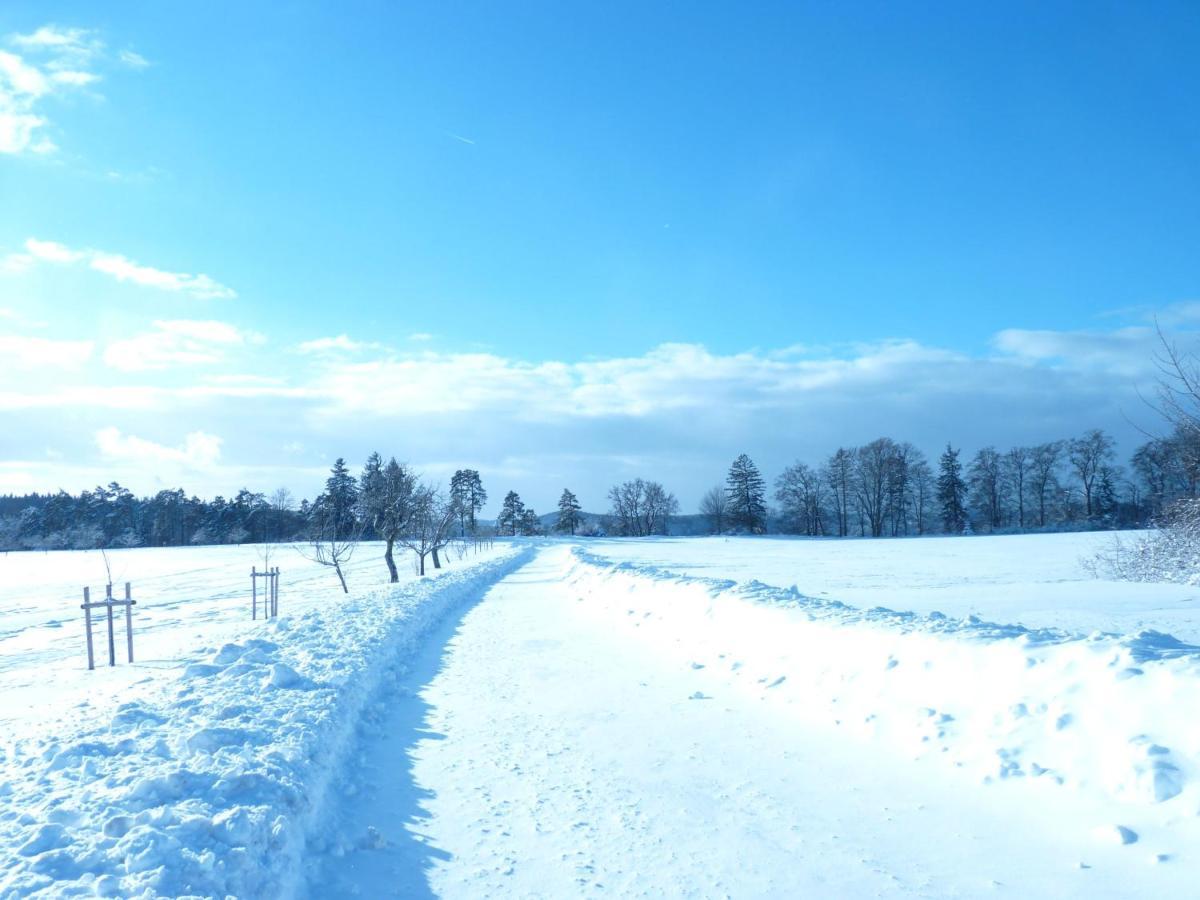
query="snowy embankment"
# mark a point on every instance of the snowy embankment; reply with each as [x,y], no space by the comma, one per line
[211,781]
[1104,716]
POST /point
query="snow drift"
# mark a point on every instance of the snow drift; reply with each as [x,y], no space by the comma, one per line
[212,785]
[1104,714]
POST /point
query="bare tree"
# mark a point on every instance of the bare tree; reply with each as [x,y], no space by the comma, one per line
[641,507]
[923,489]
[428,525]
[329,542]
[1088,456]
[1018,463]
[1178,386]
[872,467]
[278,506]
[800,491]
[1044,463]
[713,506]
[838,474]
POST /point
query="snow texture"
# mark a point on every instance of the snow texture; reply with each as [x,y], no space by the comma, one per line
[637,718]
[212,780]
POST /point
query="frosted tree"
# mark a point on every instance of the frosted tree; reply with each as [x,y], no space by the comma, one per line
[568,513]
[950,492]
[510,514]
[746,492]
[468,496]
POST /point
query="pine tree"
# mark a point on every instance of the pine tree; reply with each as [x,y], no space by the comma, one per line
[528,523]
[510,514]
[568,512]
[341,494]
[468,496]
[747,492]
[950,491]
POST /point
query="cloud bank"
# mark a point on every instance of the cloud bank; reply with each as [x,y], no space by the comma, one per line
[197,400]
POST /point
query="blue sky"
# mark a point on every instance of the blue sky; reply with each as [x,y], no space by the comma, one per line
[575,243]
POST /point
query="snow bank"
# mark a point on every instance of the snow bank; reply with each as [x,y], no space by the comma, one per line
[1108,715]
[212,785]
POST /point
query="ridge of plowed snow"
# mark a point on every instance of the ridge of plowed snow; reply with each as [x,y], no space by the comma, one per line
[1099,714]
[212,785]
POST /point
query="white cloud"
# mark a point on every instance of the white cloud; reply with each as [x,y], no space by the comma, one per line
[75,79]
[19,130]
[51,251]
[200,450]
[1127,351]
[421,336]
[177,342]
[35,352]
[133,60]
[123,269]
[119,267]
[40,65]
[342,343]
[21,80]
[72,43]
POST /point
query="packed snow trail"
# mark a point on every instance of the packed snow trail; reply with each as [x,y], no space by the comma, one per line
[532,751]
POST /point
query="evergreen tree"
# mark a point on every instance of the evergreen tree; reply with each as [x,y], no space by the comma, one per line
[747,492]
[468,496]
[339,499]
[528,523]
[386,503]
[568,512]
[510,514]
[950,491]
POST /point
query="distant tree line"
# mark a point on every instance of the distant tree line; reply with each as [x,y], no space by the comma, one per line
[888,489]
[884,488]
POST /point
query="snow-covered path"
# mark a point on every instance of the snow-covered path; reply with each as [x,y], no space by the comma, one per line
[535,750]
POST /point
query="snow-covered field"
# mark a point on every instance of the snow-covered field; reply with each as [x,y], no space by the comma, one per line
[1033,580]
[703,717]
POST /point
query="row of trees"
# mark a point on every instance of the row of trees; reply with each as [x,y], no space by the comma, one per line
[392,504]
[113,517]
[889,488]
[883,488]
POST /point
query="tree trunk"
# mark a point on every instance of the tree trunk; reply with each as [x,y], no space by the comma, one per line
[437,563]
[421,557]
[394,576]
[342,578]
